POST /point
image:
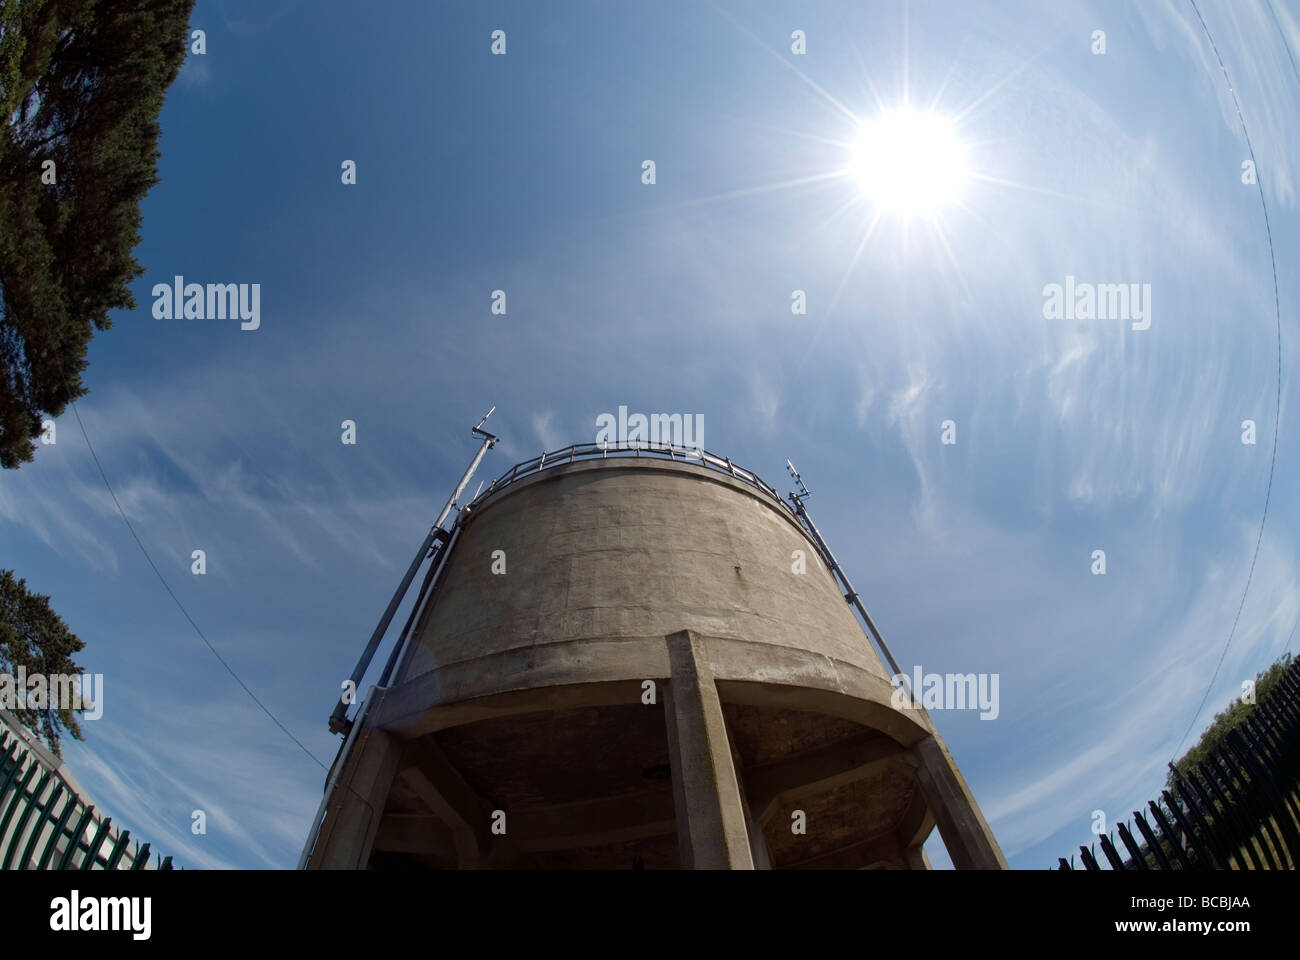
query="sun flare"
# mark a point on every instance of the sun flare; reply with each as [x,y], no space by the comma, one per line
[909,163]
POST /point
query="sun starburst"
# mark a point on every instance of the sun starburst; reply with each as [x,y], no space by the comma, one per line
[909,163]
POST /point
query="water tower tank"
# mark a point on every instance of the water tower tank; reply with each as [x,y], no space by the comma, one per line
[640,661]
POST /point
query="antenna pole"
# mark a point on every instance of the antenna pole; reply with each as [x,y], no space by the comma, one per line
[338,719]
[850,594]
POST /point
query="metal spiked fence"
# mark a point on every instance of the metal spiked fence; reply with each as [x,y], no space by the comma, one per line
[1239,808]
[46,823]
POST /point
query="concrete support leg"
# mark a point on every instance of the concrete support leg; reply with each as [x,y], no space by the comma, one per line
[432,777]
[916,858]
[711,814]
[966,834]
[758,851]
[352,818]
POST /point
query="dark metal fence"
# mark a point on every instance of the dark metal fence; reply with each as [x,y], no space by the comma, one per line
[1239,808]
[45,824]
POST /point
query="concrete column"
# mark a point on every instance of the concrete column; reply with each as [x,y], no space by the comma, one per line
[916,858]
[429,774]
[351,822]
[709,809]
[757,841]
[966,834]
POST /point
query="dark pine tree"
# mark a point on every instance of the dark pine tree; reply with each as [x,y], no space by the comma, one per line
[81,84]
[33,636]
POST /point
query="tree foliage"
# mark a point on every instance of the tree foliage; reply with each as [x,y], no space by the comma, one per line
[81,84]
[1238,710]
[33,636]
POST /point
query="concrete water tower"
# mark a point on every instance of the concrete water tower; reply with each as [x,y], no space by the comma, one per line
[611,664]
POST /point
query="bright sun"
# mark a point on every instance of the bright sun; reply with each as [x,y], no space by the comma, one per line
[909,163]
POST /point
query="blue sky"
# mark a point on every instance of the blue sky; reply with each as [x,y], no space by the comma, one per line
[523,173]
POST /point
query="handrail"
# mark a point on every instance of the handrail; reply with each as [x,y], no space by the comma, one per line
[666,451]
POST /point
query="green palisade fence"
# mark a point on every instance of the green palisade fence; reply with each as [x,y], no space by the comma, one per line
[45,824]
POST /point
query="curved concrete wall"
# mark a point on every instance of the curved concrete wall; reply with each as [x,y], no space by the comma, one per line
[630,549]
